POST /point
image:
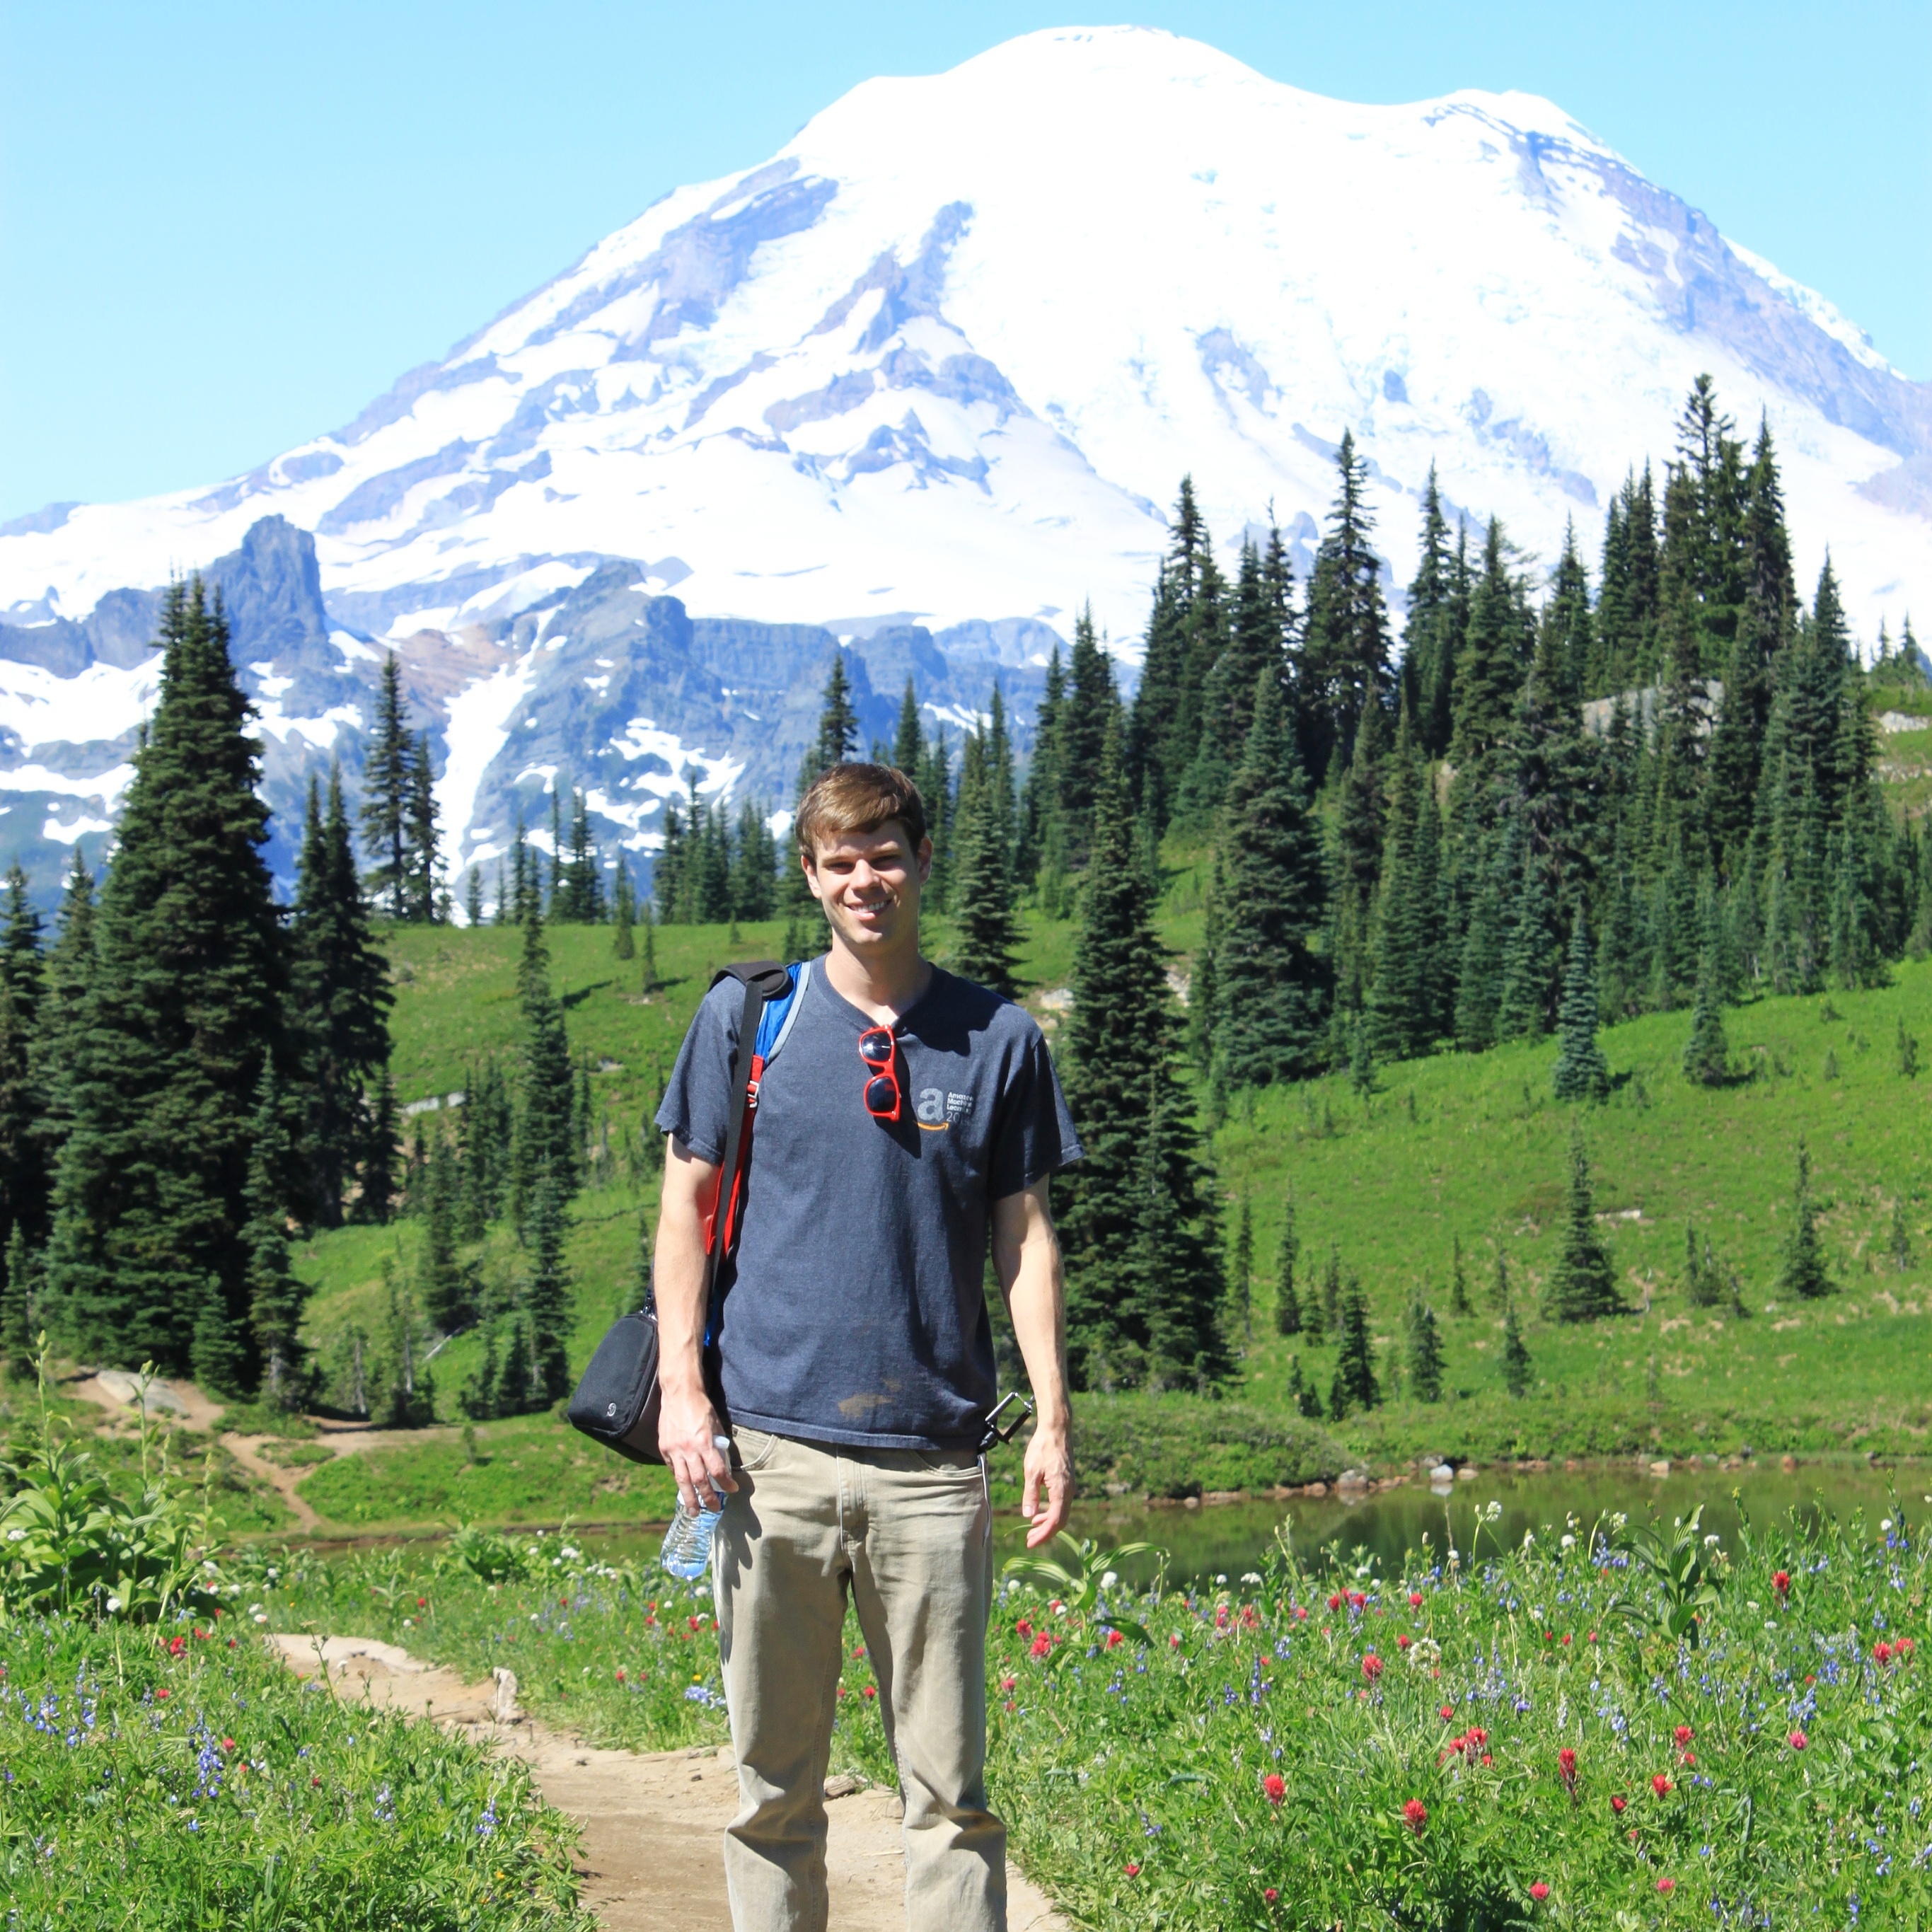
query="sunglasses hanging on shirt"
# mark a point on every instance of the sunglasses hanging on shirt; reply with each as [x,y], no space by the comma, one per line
[880,1051]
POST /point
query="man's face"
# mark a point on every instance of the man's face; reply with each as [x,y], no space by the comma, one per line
[869,884]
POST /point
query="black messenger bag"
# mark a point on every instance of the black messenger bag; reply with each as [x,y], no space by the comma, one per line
[617,1402]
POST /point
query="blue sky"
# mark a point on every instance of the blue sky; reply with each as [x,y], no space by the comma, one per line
[224,228]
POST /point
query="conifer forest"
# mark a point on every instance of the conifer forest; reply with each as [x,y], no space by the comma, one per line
[1555,797]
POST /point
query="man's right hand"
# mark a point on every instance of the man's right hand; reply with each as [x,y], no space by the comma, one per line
[687,1425]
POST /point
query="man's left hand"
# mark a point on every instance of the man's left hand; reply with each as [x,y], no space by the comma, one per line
[1048,1487]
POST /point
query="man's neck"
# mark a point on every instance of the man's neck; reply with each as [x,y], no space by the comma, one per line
[884,985]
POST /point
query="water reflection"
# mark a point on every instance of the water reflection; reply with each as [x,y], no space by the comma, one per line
[1231,1538]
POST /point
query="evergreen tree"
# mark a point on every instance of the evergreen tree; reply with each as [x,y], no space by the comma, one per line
[1459,1284]
[1345,658]
[838,722]
[1515,1363]
[23,1171]
[1581,1072]
[1707,1053]
[546,1139]
[1493,657]
[1425,1353]
[1429,634]
[376,1202]
[651,981]
[1091,704]
[339,1009]
[623,944]
[1802,1269]
[183,1008]
[1138,1212]
[409,1400]
[473,897]
[388,778]
[1355,1389]
[1528,956]
[16,1337]
[548,1300]
[1269,982]
[1583,1284]
[1287,1306]
[908,741]
[1405,1000]
[70,971]
[988,934]
[421,864]
[275,1295]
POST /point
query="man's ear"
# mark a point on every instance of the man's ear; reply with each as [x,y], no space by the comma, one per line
[923,858]
[811,874]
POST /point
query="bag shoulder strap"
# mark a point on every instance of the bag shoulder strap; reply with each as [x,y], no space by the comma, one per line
[763,980]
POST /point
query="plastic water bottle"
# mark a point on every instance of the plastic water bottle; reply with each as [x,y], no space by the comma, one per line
[687,1543]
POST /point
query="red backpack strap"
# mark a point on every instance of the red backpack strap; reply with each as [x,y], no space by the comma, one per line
[763,979]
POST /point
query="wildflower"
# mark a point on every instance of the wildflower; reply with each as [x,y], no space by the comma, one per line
[1415,1815]
[1477,1736]
[1007,1683]
[1566,1767]
[176,1645]
[1690,1760]
[1780,1581]
[160,1694]
[1904,1647]
[1042,1644]
[1798,1740]
[1661,1785]
[1269,1894]
[1618,1802]
[422,1603]
[1882,1653]
[1566,1636]
[1023,1628]
[1539,1892]
[1132,1869]
[1335,1601]
[1371,1667]
[1357,1600]
[1667,1886]
[1276,1785]
[1415,1599]
[1301,1614]
[858,1650]
[868,1693]
[1115,1640]
[1448,1712]
[1403,1640]
[1684,1734]
[1174,1642]
[620,1673]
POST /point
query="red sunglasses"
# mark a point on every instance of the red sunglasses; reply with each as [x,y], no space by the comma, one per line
[879,1051]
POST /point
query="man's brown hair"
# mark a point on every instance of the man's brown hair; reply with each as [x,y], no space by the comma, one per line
[858,798]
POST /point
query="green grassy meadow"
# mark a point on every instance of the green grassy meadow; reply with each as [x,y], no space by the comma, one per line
[1451,1147]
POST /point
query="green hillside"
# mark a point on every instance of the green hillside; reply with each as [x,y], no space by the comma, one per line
[1452,1147]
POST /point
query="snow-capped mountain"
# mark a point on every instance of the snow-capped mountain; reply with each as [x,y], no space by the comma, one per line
[941,361]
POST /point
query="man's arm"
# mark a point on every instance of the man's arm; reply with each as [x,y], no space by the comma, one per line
[1026,1256]
[686,1421]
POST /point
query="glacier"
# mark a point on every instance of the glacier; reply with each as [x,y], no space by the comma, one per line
[924,382]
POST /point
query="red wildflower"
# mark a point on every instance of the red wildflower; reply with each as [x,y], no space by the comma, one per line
[1903,1647]
[1270,1895]
[422,1603]
[1403,1641]
[1689,1760]
[1477,1736]
[1661,1785]
[1335,1601]
[201,1636]
[1371,1667]
[1448,1712]
[1566,1766]
[1667,1885]
[1023,1628]
[698,1623]
[1174,1643]
[314,1783]
[1356,1599]
[1415,1599]
[1798,1740]
[161,1693]
[1415,1815]
[1882,1653]
[868,1693]
[1115,1640]
[1780,1581]
[1487,1758]
[176,1645]
[1301,1614]
[1566,1636]
[620,1673]
[1684,1734]
[227,1744]
[1276,1785]
[1539,1892]
[1042,1644]
[841,1689]
[1007,1683]
[1249,1620]
[858,1650]
[1220,1616]
[1132,1869]
[1618,1803]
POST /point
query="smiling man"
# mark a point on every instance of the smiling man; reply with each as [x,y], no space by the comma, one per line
[910,1115]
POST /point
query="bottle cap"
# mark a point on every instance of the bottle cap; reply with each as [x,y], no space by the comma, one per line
[721,1442]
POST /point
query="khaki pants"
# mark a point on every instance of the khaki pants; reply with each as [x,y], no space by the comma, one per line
[908,1533]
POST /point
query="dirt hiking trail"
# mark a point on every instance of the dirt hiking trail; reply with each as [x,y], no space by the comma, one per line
[653,1823]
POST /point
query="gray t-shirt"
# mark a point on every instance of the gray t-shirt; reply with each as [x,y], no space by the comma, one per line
[852,1308]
